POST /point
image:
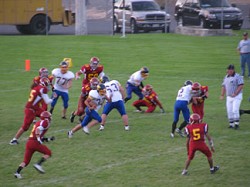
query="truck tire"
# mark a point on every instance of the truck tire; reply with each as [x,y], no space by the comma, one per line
[167,30]
[23,29]
[38,25]
[117,29]
[133,27]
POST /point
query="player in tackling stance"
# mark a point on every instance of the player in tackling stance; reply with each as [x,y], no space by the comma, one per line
[35,143]
[196,132]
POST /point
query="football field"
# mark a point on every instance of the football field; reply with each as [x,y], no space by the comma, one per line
[145,156]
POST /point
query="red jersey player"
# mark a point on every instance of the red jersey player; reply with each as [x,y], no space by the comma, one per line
[150,100]
[92,85]
[33,107]
[93,69]
[200,93]
[43,72]
[196,132]
[35,143]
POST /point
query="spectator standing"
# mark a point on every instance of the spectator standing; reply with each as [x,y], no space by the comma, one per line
[232,86]
[244,51]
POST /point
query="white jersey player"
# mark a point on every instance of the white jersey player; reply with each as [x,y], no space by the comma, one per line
[181,105]
[92,117]
[116,94]
[134,83]
[62,82]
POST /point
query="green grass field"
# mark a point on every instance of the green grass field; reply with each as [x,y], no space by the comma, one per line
[146,156]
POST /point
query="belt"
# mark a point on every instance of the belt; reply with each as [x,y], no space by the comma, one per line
[245,53]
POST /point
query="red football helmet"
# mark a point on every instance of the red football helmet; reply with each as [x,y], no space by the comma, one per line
[43,72]
[45,115]
[44,81]
[196,86]
[94,61]
[93,83]
[195,118]
[147,89]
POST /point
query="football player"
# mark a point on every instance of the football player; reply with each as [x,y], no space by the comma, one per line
[43,72]
[62,83]
[150,100]
[93,69]
[200,93]
[35,143]
[33,107]
[93,103]
[183,98]
[92,85]
[116,93]
[196,132]
[134,83]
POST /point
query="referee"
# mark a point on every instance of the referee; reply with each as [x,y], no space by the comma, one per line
[232,86]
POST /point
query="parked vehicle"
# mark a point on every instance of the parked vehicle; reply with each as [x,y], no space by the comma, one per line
[208,14]
[144,15]
[29,16]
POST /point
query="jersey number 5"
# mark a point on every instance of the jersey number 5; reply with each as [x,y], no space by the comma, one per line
[196,134]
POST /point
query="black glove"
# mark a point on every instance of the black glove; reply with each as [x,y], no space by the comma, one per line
[52,138]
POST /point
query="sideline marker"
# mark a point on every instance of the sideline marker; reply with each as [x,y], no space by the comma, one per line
[27,65]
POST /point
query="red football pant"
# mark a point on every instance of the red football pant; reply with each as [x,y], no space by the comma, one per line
[140,103]
[31,147]
[29,116]
[198,109]
[198,146]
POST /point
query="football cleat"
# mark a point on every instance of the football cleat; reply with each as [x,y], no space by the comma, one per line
[72,117]
[179,132]
[184,172]
[172,135]
[101,128]
[18,175]
[39,168]
[216,168]
[126,128]
[70,134]
[86,130]
[14,142]
[236,127]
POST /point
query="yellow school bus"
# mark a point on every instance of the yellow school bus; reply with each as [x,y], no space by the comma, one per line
[34,16]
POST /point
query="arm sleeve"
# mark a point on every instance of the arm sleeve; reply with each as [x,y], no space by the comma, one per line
[46,98]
